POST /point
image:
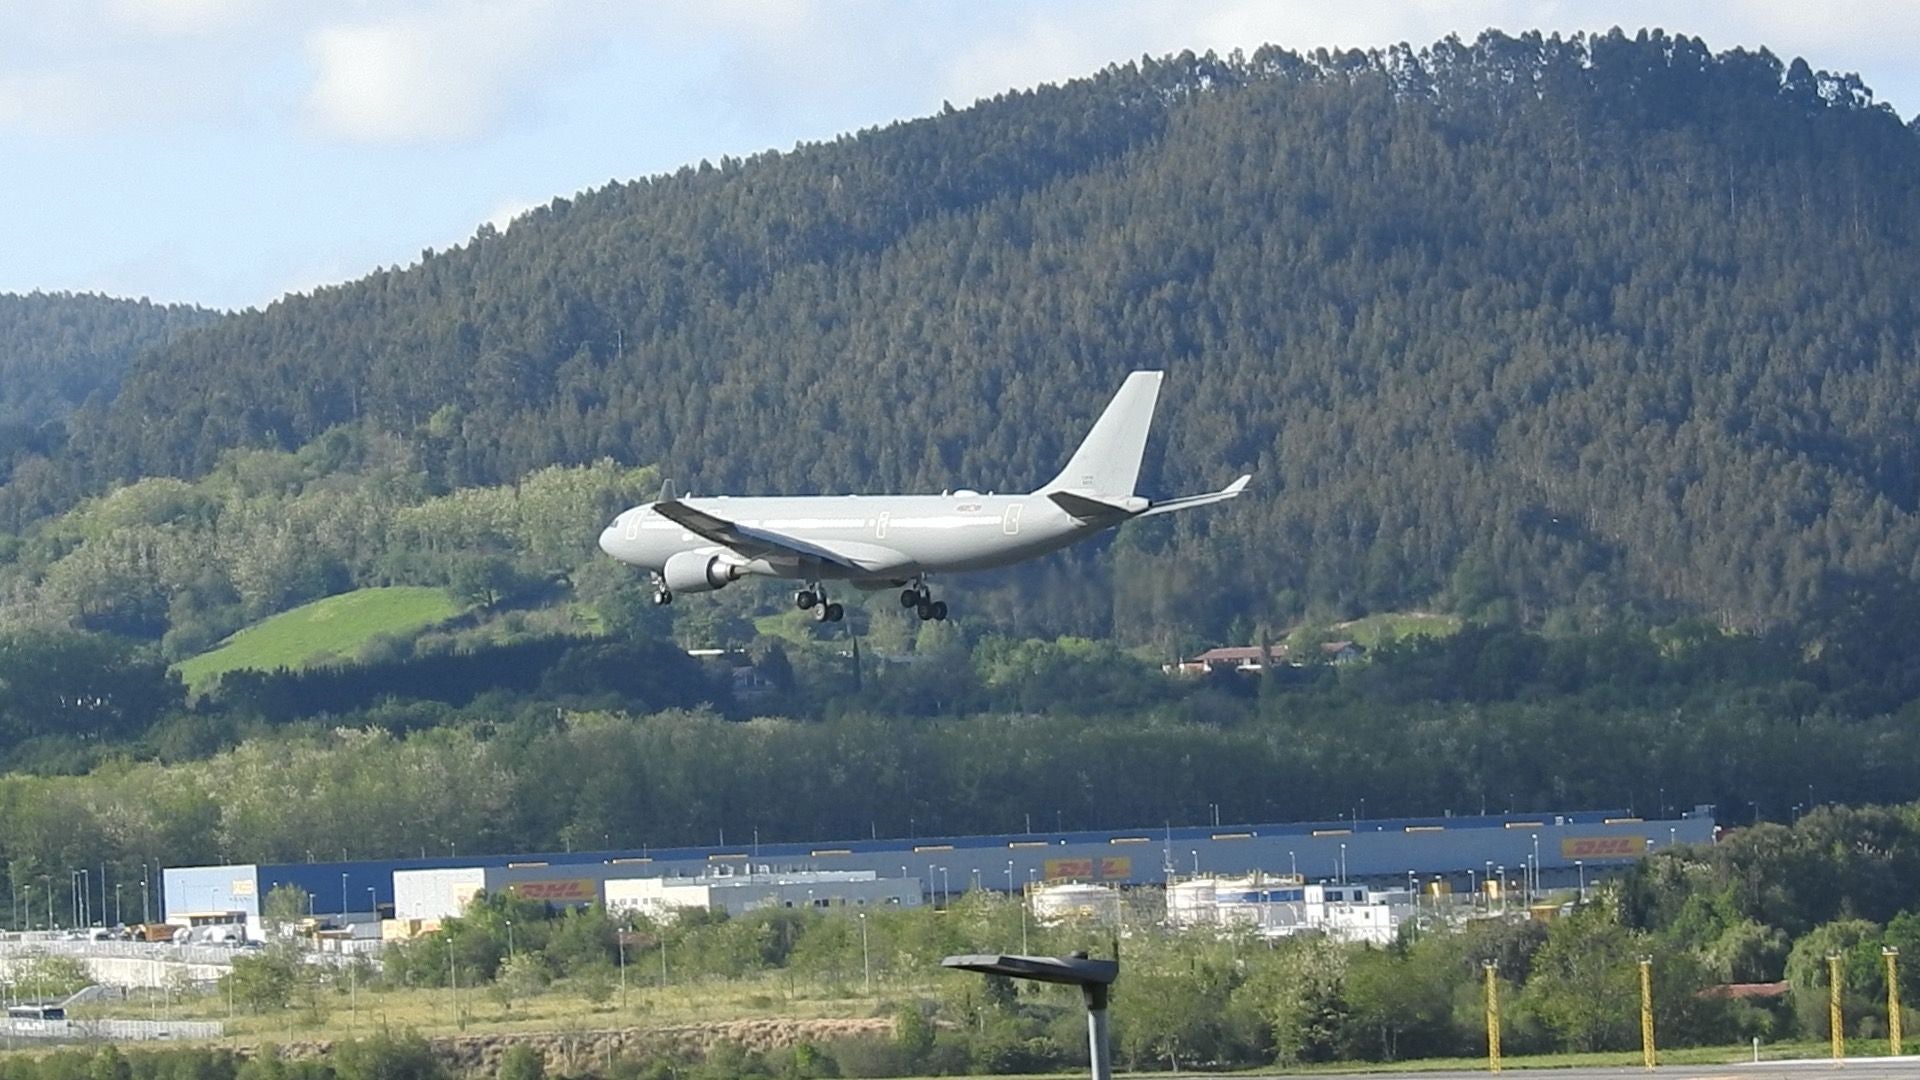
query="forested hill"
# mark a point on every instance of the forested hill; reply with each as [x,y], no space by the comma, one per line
[57,349]
[1555,324]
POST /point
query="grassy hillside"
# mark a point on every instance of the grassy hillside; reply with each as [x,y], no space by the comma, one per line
[1397,626]
[338,626]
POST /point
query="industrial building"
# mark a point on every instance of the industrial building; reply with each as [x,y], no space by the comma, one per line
[1553,849]
[439,893]
[737,894]
[1279,907]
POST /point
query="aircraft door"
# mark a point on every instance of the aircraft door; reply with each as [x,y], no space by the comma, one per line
[880,527]
[1010,524]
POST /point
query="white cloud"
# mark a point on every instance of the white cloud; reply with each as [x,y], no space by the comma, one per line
[445,73]
[168,17]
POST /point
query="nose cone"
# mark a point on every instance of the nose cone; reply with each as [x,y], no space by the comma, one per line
[610,541]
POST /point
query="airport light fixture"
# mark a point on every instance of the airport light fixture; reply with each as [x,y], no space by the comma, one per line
[1093,977]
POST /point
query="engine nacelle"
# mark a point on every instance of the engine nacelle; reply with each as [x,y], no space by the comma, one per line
[691,572]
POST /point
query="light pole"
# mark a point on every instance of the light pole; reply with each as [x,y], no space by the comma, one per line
[1503,886]
[343,899]
[620,939]
[1093,977]
[866,960]
[1580,866]
[1473,887]
[510,941]
[946,890]
[146,896]
[373,904]
[28,890]
[1536,862]
[1343,863]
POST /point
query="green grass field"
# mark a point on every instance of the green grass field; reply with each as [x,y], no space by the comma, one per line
[1397,626]
[338,626]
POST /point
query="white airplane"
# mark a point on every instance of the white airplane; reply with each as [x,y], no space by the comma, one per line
[899,541]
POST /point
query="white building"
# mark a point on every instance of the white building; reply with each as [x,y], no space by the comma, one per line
[736,894]
[1276,906]
[1068,900]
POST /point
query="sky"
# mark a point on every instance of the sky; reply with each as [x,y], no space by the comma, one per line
[228,152]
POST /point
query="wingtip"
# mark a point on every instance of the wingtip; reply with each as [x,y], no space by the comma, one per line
[1240,485]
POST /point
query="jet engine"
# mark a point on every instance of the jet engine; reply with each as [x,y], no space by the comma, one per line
[692,572]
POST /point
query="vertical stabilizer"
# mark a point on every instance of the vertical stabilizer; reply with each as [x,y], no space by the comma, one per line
[1108,461]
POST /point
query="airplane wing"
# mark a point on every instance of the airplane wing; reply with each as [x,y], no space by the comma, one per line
[1231,491]
[750,542]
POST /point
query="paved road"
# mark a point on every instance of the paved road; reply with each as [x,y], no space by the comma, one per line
[1883,1068]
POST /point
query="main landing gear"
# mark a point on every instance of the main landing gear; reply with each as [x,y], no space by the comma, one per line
[813,598]
[920,598]
[662,596]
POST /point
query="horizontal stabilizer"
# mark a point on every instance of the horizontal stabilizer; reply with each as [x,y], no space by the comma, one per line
[1231,491]
[1085,509]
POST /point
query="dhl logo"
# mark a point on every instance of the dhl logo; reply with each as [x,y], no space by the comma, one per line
[1603,847]
[571,890]
[1058,869]
[1111,868]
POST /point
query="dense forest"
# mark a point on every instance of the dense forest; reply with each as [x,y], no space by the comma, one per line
[57,350]
[1534,325]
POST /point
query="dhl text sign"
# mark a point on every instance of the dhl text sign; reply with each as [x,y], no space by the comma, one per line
[1603,847]
[562,891]
[1110,868]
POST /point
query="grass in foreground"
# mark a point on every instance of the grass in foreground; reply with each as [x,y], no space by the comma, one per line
[338,626]
[347,1013]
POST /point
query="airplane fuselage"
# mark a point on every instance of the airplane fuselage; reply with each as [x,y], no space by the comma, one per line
[698,545]
[880,538]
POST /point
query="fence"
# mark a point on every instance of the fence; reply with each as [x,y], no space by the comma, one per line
[110,1030]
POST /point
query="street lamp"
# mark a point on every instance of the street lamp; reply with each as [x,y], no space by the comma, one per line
[1580,866]
[510,941]
[866,961]
[1343,862]
[27,888]
[1093,977]
[343,898]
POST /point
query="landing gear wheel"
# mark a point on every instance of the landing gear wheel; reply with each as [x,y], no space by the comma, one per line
[925,610]
[835,612]
[909,597]
[662,597]
[805,599]
[939,610]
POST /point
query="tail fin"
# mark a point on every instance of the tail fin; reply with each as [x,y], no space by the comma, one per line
[1108,461]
